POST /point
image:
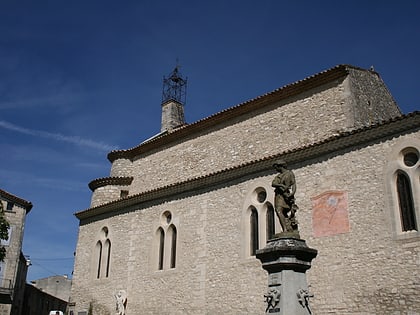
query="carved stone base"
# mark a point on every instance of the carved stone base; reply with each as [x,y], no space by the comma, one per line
[286,259]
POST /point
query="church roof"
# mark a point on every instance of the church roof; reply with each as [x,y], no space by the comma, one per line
[248,106]
[331,146]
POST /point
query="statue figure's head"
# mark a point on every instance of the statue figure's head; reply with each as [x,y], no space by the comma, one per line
[280,163]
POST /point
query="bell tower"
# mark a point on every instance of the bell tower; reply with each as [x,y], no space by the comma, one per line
[173,100]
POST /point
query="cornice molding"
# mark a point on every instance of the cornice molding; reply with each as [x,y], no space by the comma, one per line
[105,181]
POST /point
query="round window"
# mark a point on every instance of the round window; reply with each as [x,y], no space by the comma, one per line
[261,195]
[166,217]
[411,158]
[105,231]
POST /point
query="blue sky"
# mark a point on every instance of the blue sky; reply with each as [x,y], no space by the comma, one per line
[81,78]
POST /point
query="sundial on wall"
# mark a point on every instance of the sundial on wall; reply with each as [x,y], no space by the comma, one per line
[330,214]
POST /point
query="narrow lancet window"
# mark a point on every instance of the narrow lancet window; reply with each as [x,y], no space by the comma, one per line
[270,222]
[254,240]
[161,248]
[99,254]
[173,246]
[405,198]
[108,258]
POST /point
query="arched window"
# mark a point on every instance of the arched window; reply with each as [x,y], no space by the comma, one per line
[103,254]
[405,199]
[270,222]
[259,222]
[99,258]
[161,235]
[403,188]
[172,236]
[166,240]
[108,256]
[254,239]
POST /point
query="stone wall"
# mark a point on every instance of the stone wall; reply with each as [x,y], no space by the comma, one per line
[365,271]
[362,271]
[369,100]
[108,192]
[57,286]
[262,133]
[280,127]
[210,276]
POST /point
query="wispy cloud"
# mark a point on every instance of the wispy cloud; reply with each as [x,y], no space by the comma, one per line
[23,86]
[59,100]
[20,179]
[75,140]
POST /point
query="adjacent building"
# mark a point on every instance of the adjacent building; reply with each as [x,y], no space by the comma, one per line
[38,301]
[58,286]
[14,268]
[174,227]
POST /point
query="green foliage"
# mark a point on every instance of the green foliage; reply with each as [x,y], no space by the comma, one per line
[4,231]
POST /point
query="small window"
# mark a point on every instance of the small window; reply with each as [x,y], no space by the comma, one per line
[99,253]
[270,222]
[411,158]
[161,248]
[405,198]
[9,206]
[9,237]
[167,217]
[124,194]
[254,240]
[108,256]
[172,230]
[261,196]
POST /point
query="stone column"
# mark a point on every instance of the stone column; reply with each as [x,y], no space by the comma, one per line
[286,260]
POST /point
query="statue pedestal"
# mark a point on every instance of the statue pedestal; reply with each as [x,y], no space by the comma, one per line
[286,259]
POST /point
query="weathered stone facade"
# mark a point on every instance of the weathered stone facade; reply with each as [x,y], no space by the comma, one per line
[192,190]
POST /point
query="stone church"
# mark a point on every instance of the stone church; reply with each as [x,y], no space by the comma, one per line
[175,226]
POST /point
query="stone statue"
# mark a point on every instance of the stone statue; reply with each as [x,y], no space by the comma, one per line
[284,202]
[121,300]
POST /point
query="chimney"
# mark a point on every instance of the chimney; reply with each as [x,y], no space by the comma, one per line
[173,101]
